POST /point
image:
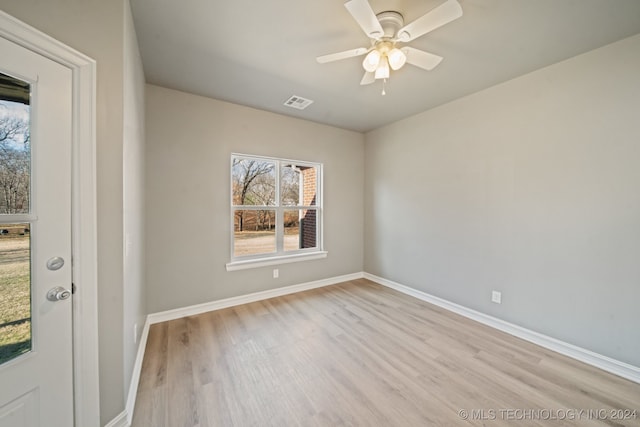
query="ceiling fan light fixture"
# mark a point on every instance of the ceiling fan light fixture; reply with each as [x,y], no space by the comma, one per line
[371,61]
[382,72]
[397,58]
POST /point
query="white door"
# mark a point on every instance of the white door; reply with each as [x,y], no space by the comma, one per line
[36,375]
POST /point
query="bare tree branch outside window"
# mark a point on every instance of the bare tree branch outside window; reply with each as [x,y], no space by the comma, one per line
[15,160]
[254,183]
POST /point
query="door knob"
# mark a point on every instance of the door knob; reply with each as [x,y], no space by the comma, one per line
[58,293]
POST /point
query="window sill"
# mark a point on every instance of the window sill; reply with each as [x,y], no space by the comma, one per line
[284,259]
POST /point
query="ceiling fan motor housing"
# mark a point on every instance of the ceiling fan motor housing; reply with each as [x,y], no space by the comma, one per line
[391,21]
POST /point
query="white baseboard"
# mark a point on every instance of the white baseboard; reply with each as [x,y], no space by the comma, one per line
[605,363]
[178,313]
[119,421]
[125,418]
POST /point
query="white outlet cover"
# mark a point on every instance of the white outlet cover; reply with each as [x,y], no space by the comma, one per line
[496,297]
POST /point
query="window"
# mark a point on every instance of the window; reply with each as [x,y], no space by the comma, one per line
[276,211]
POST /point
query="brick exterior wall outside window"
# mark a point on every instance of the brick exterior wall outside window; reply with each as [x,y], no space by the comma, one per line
[308,222]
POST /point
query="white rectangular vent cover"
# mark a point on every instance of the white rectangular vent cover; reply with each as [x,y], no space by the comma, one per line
[298,102]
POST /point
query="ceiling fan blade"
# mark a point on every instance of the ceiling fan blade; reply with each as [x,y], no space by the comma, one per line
[420,58]
[342,55]
[365,17]
[368,78]
[436,18]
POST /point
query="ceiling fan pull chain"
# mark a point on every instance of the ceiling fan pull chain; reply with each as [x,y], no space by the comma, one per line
[384,83]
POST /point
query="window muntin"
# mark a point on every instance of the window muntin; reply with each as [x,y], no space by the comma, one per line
[276,207]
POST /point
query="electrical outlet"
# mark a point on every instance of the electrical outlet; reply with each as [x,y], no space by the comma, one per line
[276,273]
[135,333]
[496,297]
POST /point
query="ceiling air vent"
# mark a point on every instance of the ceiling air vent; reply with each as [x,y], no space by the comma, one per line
[298,102]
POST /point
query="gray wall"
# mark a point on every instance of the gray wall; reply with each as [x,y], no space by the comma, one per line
[96,28]
[134,291]
[532,188]
[189,143]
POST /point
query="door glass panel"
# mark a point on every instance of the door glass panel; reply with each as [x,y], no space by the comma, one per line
[15,291]
[15,146]
[15,189]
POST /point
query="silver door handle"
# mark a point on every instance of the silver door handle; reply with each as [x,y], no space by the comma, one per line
[58,293]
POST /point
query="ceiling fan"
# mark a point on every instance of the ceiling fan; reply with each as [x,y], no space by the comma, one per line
[387,31]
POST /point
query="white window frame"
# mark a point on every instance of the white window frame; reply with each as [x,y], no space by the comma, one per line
[280,256]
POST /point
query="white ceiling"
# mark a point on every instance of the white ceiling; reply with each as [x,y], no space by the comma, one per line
[259,53]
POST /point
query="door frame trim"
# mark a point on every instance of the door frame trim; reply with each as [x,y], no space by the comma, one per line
[86,397]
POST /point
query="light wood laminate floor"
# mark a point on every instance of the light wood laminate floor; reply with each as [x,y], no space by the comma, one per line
[359,354]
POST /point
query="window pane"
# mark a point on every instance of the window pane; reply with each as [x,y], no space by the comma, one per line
[15,148]
[290,185]
[299,229]
[292,230]
[298,185]
[15,291]
[254,232]
[254,182]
